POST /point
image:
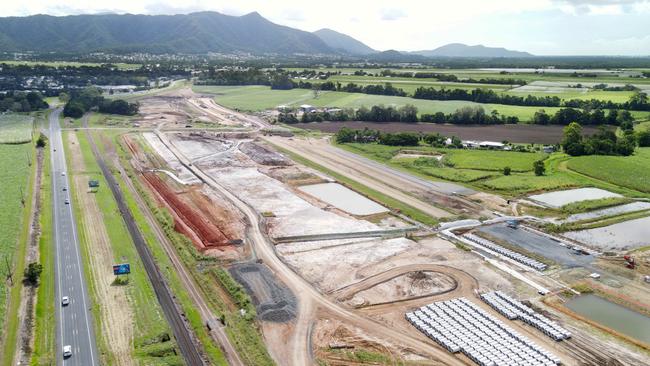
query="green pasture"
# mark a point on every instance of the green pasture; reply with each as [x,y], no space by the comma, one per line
[483,169]
[258,98]
[15,165]
[627,171]
[15,128]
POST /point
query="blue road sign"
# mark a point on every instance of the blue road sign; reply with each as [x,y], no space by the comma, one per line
[120,269]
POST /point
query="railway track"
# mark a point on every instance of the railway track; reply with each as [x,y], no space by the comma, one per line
[184,337]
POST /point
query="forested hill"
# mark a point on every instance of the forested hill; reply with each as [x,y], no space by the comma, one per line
[340,41]
[189,33]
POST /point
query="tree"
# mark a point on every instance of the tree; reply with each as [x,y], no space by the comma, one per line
[33,273]
[408,113]
[541,118]
[572,138]
[73,109]
[539,168]
[506,170]
[643,138]
[42,141]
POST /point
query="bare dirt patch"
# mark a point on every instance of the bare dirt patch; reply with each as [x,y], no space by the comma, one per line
[406,286]
[514,133]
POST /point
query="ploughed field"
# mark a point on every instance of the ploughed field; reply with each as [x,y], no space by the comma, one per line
[520,133]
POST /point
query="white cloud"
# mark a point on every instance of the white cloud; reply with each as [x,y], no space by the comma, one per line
[392,14]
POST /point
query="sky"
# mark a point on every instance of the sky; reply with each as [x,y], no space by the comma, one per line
[541,27]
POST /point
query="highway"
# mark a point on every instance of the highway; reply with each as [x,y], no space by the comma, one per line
[74,323]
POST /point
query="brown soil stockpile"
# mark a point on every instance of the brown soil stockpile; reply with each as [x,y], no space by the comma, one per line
[209,234]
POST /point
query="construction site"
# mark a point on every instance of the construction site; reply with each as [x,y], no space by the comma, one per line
[336,275]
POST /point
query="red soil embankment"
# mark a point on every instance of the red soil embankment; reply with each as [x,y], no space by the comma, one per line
[210,236]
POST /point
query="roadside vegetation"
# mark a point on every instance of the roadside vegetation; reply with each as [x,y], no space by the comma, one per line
[153,342]
[44,321]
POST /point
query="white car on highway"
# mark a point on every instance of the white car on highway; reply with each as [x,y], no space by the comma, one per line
[65,300]
[67,351]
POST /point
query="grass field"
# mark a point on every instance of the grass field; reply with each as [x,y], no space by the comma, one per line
[15,128]
[149,321]
[482,169]
[495,74]
[109,120]
[15,169]
[17,258]
[632,171]
[258,98]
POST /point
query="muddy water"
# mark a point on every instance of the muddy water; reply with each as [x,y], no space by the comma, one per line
[612,315]
[343,198]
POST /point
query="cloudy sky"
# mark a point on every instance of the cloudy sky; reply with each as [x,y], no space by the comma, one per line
[542,27]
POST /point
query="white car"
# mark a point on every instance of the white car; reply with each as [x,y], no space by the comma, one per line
[67,351]
[65,300]
[63,174]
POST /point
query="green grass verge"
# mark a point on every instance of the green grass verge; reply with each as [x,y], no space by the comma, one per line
[109,120]
[44,323]
[590,205]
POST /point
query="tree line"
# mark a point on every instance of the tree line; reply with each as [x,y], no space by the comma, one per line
[407,113]
[17,101]
[82,101]
[565,116]
[449,77]
[603,142]
[367,135]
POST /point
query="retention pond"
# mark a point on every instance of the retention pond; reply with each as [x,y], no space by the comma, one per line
[344,198]
[612,315]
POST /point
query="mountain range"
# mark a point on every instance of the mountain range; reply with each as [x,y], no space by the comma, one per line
[200,32]
[463,50]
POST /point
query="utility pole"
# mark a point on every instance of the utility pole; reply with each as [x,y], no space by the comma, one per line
[9,272]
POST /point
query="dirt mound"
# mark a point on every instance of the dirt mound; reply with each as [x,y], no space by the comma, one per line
[263,155]
[208,233]
[273,301]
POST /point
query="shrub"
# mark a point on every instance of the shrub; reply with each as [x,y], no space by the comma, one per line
[539,168]
[506,170]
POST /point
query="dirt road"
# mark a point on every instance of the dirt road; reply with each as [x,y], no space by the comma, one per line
[465,283]
[382,180]
[309,298]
